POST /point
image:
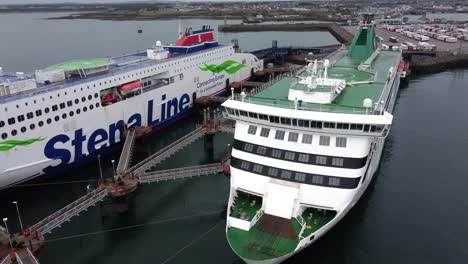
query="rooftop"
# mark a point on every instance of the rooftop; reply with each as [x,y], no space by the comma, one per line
[360,85]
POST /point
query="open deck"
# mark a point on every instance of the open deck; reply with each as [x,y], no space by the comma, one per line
[360,85]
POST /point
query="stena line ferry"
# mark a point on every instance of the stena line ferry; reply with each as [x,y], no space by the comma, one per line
[70,112]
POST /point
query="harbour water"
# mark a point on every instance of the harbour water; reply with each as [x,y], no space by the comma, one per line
[414,212]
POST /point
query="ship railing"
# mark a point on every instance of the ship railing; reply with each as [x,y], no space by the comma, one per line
[180,173]
[73,209]
[386,92]
[303,105]
[167,151]
[257,216]
[303,225]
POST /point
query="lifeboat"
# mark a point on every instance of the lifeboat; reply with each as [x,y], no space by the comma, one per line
[130,87]
[108,99]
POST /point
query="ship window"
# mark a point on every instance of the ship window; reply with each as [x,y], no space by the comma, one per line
[299,176]
[47,110]
[32,126]
[274,119]
[4,135]
[373,128]
[285,174]
[294,122]
[77,101]
[29,115]
[83,99]
[90,97]
[317,179]
[257,168]
[253,115]
[333,181]
[265,132]
[38,112]
[14,132]
[307,139]
[276,153]
[245,165]
[263,117]
[85,109]
[243,113]
[64,115]
[56,118]
[261,150]
[252,129]
[285,121]
[324,141]
[328,125]
[2,123]
[303,158]
[248,147]
[321,160]
[338,162]
[78,111]
[273,172]
[181,76]
[54,108]
[41,123]
[20,118]
[279,134]
[366,128]
[293,136]
[62,105]
[341,142]
[23,129]
[96,95]
[71,113]
[289,155]
[97,105]
[91,107]
[69,103]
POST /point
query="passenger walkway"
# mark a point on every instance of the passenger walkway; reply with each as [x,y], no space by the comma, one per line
[167,151]
[63,215]
[180,173]
[127,151]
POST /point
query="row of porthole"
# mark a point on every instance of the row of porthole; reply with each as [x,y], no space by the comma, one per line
[23,129]
[38,112]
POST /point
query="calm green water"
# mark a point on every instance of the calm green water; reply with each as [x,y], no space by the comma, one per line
[414,212]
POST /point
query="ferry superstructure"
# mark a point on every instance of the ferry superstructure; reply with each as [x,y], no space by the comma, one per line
[306,148]
[71,112]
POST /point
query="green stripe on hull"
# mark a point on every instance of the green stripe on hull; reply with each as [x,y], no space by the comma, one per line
[10,144]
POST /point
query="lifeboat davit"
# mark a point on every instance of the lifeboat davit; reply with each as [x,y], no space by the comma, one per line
[130,87]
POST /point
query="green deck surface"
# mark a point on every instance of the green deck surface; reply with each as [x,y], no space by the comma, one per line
[258,245]
[244,206]
[78,64]
[315,220]
[350,99]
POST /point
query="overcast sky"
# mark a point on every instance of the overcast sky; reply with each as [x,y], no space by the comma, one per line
[96,1]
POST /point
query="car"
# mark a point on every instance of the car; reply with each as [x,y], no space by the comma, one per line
[392,39]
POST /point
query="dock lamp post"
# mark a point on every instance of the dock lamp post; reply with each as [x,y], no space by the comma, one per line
[19,216]
[100,168]
[113,167]
[13,254]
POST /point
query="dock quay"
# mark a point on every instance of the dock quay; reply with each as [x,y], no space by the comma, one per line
[338,32]
[21,247]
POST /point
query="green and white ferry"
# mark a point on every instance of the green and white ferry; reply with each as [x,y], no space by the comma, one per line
[306,148]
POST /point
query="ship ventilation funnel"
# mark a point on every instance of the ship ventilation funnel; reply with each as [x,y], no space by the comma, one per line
[367,103]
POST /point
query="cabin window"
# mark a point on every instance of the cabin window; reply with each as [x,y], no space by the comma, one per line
[333,181]
[54,108]
[20,118]
[14,132]
[257,168]
[252,130]
[41,123]
[303,158]
[29,115]
[248,147]
[62,105]
[279,134]
[285,174]
[23,129]
[341,142]
[265,132]
[293,136]
[324,141]
[261,150]
[69,103]
[276,153]
[321,160]
[307,139]
[4,135]
[338,162]
[317,179]
[299,176]
[273,172]
[245,165]
[2,123]
[289,155]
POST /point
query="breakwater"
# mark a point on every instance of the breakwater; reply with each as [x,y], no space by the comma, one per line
[338,32]
[442,61]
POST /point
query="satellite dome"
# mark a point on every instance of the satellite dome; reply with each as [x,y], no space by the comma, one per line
[367,103]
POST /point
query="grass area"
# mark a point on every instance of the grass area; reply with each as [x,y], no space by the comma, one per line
[258,245]
[246,206]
